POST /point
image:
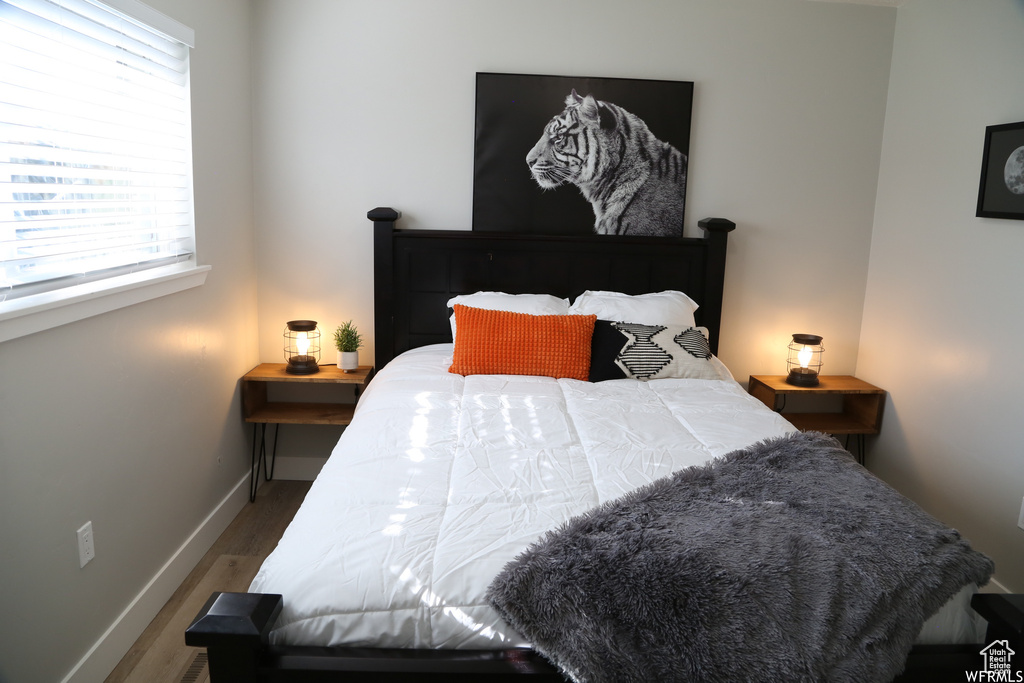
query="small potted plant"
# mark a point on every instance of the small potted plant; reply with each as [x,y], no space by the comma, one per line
[347,340]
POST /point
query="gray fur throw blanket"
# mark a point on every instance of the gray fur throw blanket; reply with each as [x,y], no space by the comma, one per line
[785,561]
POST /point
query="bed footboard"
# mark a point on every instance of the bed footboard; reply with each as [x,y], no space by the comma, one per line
[951,663]
[235,627]
[1005,616]
[235,630]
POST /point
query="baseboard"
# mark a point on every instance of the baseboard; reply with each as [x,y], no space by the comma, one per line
[298,469]
[993,586]
[111,647]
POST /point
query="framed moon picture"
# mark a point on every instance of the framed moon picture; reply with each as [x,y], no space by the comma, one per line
[581,155]
[1002,172]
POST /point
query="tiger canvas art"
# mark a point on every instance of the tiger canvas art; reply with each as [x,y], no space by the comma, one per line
[635,183]
[622,142]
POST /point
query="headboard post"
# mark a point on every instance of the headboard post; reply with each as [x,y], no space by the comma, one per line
[384,219]
[717,234]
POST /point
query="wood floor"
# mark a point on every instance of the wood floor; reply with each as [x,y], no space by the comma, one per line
[160,654]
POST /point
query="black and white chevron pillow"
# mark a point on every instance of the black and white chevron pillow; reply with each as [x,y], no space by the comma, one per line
[630,350]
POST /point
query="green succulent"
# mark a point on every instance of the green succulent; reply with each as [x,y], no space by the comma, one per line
[347,337]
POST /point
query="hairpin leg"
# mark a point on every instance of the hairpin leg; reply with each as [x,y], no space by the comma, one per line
[268,468]
[257,458]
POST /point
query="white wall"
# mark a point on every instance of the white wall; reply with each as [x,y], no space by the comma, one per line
[131,419]
[942,319]
[365,104]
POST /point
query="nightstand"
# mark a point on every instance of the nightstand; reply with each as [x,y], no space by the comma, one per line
[261,412]
[861,411]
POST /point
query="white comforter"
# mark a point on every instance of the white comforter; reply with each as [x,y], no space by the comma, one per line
[442,479]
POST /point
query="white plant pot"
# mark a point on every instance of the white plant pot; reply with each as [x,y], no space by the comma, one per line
[348,361]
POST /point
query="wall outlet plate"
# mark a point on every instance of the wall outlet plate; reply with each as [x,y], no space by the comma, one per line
[86,547]
[1020,520]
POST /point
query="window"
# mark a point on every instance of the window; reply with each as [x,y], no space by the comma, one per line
[95,150]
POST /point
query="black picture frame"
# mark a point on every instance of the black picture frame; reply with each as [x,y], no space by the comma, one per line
[512,111]
[1001,194]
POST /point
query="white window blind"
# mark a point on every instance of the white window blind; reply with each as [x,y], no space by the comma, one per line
[95,146]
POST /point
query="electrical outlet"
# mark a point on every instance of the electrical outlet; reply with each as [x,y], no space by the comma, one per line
[1020,520]
[86,547]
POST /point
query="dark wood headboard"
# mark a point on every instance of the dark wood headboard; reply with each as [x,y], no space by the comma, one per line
[416,272]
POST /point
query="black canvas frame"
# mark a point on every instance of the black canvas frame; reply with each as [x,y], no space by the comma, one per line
[995,197]
[512,111]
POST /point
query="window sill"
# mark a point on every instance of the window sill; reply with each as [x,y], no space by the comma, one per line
[31,314]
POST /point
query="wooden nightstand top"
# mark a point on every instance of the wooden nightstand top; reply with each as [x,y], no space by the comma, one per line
[827,384]
[329,374]
[256,407]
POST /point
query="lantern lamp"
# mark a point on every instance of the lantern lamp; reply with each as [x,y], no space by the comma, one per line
[302,347]
[804,361]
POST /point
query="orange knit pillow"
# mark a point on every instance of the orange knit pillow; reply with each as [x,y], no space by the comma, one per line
[502,343]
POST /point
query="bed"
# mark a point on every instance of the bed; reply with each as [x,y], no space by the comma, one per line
[444,479]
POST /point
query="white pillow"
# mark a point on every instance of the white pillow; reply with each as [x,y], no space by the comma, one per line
[534,304]
[661,308]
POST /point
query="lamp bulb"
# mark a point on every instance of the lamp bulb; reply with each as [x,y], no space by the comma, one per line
[804,356]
